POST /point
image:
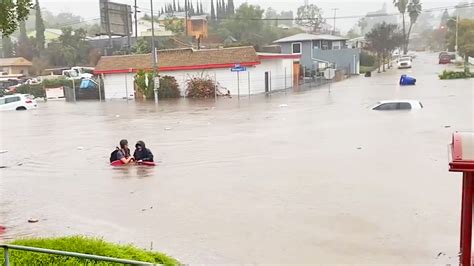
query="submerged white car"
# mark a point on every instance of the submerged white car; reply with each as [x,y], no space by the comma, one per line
[17,102]
[404,62]
[397,105]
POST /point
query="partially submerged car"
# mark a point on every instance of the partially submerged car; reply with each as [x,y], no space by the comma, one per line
[392,105]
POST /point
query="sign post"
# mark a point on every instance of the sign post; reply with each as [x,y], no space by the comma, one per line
[329,74]
[238,68]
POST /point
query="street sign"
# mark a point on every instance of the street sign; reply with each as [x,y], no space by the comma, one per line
[238,68]
[329,73]
[157,82]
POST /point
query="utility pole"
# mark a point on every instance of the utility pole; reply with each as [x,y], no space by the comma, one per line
[334,26]
[457,29]
[154,54]
[108,27]
[186,5]
[136,21]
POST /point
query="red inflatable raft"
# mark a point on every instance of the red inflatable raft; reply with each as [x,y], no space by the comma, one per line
[119,163]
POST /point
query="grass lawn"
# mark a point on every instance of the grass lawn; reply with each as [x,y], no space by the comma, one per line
[80,244]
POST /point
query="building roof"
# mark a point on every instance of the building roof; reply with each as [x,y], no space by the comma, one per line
[14,61]
[269,56]
[179,59]
[309,37]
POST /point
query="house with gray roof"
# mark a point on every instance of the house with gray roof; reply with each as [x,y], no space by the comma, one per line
[320,51]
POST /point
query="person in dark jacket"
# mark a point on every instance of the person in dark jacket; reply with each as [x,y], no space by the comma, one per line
[142,153]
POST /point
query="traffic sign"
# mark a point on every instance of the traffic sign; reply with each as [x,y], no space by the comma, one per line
[329,73]
[238,68]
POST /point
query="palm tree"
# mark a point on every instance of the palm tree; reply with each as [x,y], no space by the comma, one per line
[414,11]
[401,5]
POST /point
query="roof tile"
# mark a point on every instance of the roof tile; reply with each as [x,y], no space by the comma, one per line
[178,58]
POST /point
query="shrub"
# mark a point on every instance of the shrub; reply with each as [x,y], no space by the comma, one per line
[367,59]
[141,79]
[455,75]
[203,87]
[168,88]
[37,90]
[81,244]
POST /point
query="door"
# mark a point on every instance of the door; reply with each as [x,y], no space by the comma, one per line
[296,74]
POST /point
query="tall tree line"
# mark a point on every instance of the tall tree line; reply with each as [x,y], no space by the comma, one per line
[193,8]
[222,9]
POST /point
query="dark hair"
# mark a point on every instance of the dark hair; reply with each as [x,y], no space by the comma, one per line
[123,142]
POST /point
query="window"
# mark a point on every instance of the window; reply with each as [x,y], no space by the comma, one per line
[336,45]
[404,106]
[316,44]
[12,99]
[2,101]
[325,45]
[387,107]
[296,48]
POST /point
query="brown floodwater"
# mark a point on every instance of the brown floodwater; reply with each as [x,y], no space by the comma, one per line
[306,177]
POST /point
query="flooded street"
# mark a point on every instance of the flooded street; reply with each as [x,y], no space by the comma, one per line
[307,177]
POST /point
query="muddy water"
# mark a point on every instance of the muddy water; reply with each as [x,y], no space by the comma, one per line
[323,179]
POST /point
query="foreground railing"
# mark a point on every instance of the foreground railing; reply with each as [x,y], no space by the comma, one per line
[6,249]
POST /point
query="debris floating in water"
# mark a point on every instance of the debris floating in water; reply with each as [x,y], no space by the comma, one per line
[167,128]
[31,220]
[80,148]
[3,151]
[283,105]
[447,126]
[117,116]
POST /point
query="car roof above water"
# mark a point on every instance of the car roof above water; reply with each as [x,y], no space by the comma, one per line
[400,101]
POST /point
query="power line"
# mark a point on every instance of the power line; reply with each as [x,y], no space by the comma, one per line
[340,17]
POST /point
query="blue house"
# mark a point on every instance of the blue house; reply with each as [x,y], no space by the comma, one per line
[321,51]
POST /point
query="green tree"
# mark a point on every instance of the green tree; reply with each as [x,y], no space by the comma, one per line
[174,24]
[7,46]
[310,16]
[444,19]
[213,11]
[230,7]
[414,11]
[362,23]
[353,33]
[11,13]
[71,48]
[25,46]
[40,39]
[465,38]
[271,13]
[401,5]
[142,46]
[384,39]
[246,24]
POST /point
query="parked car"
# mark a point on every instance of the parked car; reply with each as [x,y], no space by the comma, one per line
[445,59]
[397,105]
[17,102]
[404,62]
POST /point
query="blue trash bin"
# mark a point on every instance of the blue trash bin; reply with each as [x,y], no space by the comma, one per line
[407,80]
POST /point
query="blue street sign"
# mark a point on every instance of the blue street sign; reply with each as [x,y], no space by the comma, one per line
[238,69]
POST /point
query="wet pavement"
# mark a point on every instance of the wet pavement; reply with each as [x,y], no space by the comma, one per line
[307,177]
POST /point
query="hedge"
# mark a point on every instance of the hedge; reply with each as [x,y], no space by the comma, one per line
[81,244]
[456,75]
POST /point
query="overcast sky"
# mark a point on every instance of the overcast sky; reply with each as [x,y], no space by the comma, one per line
[89,9]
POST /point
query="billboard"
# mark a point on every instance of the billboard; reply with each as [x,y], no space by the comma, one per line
[115,18]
